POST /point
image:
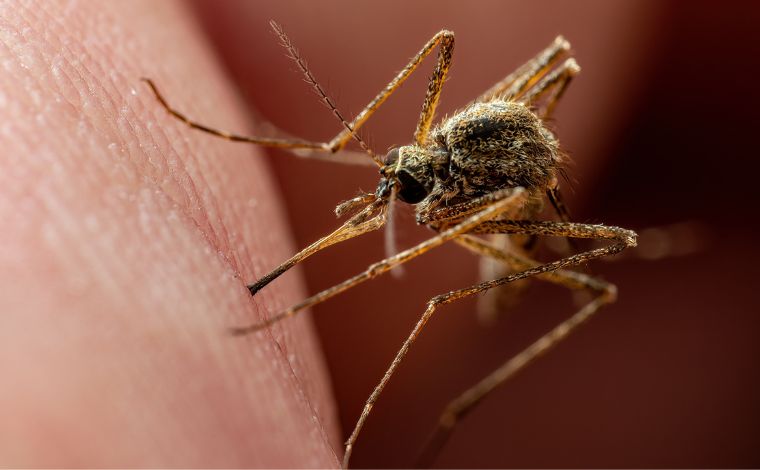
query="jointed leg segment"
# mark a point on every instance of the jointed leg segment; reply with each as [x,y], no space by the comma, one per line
[500,202]
[567,278]
[624,238]
[460,406]
[515,84]
[305,147]
[556,83]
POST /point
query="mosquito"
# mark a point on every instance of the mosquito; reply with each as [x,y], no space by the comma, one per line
[482,173]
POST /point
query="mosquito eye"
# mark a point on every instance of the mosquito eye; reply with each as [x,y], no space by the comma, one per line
[411,190]
[392,157]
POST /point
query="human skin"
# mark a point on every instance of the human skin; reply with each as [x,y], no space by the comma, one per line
[125,249]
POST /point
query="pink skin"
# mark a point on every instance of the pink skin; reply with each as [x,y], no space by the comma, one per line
[128,239]
[126,245]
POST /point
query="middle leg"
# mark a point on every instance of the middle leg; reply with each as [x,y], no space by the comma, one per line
[623,238]
[498,203]
[470,398]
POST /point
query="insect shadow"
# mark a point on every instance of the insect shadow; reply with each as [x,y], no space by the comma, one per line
[479,178]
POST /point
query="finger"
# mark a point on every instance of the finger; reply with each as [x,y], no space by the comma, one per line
[126,245]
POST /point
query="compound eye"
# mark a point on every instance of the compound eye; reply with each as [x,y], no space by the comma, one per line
[392,157]
[411,190]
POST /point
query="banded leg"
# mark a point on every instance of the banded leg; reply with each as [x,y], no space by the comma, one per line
[623,238]
[499,202]
[308,148]
[514,84]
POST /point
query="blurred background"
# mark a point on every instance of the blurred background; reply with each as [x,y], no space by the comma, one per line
[661,127]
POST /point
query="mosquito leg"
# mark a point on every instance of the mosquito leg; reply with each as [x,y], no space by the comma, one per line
[298,147]
[367,220]
[559,229]
[447,216]
[463,404]
[435,85]
[569,230]
[527,74]
[623,238]
[292,143]
[500,202]
[570,279]
[308,148]
[555,83]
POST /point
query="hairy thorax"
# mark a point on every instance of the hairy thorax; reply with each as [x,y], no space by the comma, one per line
[479,150]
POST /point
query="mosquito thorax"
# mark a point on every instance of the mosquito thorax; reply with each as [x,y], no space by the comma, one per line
[496,145]
[480,149]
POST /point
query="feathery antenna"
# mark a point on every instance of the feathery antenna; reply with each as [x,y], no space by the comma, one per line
[293,54]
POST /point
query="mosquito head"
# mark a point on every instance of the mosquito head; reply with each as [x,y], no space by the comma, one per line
[412,172]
